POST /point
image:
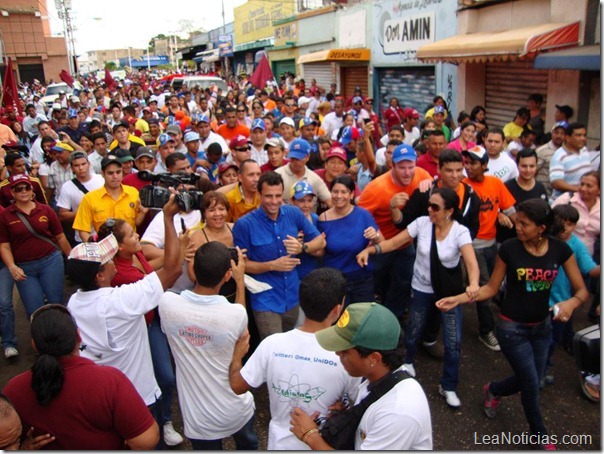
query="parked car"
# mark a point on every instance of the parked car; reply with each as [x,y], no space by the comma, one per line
[52,93]
[204,82]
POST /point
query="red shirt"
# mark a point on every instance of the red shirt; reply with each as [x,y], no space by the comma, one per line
[268,167]
[25,246]
[98,407]
[133,180]
[428,163]
[6,197]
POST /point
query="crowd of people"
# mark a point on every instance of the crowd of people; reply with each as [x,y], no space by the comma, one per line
[294,237]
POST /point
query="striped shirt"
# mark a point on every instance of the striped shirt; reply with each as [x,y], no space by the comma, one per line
[569,167]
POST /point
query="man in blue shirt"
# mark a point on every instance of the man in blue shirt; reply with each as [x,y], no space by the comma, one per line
[270,235]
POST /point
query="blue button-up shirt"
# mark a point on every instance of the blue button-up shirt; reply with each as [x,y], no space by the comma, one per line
[263,239]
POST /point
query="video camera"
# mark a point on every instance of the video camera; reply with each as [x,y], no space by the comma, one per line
[156,194]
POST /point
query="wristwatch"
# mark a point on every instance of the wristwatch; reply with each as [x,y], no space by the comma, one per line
[304,247]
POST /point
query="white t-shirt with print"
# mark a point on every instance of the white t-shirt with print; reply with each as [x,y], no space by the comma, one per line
[298,373]
[503,168]
[448,250]
[202,331]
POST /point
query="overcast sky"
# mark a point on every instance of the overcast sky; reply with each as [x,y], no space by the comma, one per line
[118,24]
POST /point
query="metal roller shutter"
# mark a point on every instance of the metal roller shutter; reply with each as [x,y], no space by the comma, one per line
[414,87]
[321,71]
[351,77]
[283,66]
[508,85]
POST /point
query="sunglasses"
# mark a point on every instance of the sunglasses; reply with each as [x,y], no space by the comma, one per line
[434,207]
[240,110]
[22,188]
[242,149]
[289,104]
[369,102]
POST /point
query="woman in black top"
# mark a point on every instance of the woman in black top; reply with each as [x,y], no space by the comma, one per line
[530,263]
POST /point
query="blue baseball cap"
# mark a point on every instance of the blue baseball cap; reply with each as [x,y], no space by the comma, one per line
[299,149]
[191,137]
[307,121]
[72,113]
[163,139]
[258,123]
[560,124]
[203,118]
[439,110]
[301,189]
[349,134]
[403,152]
[357,99]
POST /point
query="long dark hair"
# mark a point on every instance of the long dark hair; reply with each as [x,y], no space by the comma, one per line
[451,201]
[55,335]
[539,212]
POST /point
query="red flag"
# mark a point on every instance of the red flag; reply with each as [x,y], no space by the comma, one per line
[10,95]
[66,77]
[262,73]
[109,82]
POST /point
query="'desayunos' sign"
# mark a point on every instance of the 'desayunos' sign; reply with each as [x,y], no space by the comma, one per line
[408,33]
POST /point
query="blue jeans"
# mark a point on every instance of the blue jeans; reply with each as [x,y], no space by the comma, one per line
[246,439]
[525,347]
[486,263]
[7,312]
[360,290]
[392,275]
[421,304]
[44,278]
[163,370]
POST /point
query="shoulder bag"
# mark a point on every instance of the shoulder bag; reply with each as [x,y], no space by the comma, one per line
[339,429]
[36,234]
[445,281]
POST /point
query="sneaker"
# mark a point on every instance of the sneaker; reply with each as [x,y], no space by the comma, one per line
[434,349]
[490,402]
[171,437]
[10,352]
[490,341]
[410,369]
[450,397]
[591,391]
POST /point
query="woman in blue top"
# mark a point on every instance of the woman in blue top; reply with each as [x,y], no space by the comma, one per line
[303,196]
[348,229]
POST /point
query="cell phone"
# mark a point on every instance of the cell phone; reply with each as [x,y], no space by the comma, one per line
[182,225]
[367,120]
[234,255]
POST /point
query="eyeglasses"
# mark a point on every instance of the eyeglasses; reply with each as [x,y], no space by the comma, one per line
[242,149]
[22,188]
[257,107]
[434,207]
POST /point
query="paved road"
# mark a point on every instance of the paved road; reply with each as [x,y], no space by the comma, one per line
[565,409]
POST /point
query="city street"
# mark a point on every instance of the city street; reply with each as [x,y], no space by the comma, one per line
[566,411]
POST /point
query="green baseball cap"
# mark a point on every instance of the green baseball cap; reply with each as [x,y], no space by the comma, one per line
[368,325]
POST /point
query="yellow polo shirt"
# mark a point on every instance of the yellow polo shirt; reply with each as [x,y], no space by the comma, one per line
[131,138]
[238,205]
[97,206]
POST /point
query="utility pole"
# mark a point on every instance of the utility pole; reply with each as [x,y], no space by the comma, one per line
[64,12]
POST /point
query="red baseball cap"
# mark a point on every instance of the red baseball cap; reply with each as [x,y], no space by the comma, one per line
[336,152]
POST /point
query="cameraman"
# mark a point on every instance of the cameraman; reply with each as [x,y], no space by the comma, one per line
[153,238]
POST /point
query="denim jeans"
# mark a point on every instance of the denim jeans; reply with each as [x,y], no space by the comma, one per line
[246,439]
[44,278]
[7,312]
[486,263]
[360,290]
[163,370]
[392,275]
[421,304]
[525,347]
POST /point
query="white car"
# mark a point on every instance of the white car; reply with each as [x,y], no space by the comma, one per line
[204,82]
[52,93]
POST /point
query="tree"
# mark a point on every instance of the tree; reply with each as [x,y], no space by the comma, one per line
[111,66]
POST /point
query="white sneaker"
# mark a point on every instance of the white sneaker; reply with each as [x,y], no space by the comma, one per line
[450,397]
[171,437]
[410,369]
[10,352]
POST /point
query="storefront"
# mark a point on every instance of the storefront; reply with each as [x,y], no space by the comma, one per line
[400,29]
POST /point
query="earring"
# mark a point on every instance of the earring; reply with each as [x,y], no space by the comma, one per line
[448,218]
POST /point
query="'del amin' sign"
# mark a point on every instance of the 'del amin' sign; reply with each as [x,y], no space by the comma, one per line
[408,33]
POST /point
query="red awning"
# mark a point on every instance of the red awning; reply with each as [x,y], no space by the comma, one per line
[519,43]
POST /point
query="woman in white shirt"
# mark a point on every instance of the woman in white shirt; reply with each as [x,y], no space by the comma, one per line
[432,278]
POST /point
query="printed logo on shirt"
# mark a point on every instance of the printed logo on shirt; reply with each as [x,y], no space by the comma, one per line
[195,336]
[488,204]
[43,219]
[295,392]
[537,280]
